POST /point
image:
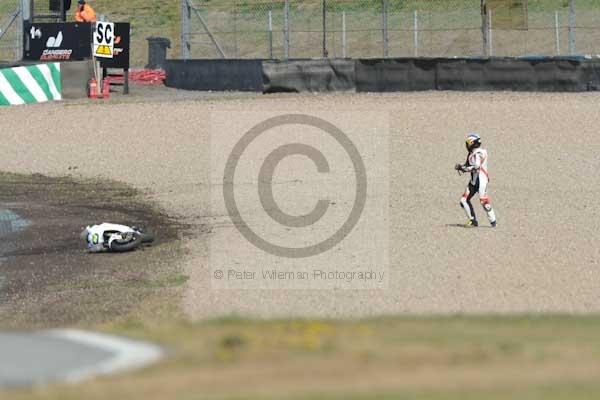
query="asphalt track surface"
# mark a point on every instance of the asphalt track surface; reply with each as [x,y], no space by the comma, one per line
[35,358]
[67,356]
[544,156]
[9,223]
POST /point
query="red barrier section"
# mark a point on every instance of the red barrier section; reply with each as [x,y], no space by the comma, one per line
[142,77]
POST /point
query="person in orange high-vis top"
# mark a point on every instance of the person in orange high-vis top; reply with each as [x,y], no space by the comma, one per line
[85,12]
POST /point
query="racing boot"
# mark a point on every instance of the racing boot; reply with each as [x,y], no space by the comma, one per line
[472,223]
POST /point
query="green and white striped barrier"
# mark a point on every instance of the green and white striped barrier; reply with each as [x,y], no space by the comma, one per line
[32,84]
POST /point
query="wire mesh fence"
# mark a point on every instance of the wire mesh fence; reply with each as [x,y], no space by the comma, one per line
[337,28]
[10,30]
[48,10]
[387,28]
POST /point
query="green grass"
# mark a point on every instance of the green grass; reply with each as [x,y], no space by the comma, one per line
[7,8]
[454,357]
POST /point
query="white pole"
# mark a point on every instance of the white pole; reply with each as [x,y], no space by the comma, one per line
[490,37]
[25,10]
[344,34]
[556,25]
[270,21]
[99,77]
[416,32]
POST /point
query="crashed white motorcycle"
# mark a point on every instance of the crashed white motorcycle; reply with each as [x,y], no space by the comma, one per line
[107,237]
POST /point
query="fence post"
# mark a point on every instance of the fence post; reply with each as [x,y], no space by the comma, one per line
[25,10]
[325,29]
[25,15]
[572,27]
[556,29]
[286,29]
[416,32]
[344,34]
[384,18]
[235,31]
[270,34]
[490,34]
[484,28]
[186,14]
[63,12]
[19,49]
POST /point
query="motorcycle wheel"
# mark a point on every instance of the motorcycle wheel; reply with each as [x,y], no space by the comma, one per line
[119,247]
[147,237]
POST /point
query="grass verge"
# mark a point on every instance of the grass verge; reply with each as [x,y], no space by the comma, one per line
[457,357]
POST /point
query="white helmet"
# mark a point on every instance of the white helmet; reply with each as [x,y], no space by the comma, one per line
[84,234]
[473,141]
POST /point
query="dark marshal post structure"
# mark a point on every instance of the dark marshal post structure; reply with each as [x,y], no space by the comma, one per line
[48,37]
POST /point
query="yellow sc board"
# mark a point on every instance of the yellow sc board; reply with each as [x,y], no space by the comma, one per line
[104,39]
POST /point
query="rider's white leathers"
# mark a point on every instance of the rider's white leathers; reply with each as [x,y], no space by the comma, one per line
[477,165]
[95,235]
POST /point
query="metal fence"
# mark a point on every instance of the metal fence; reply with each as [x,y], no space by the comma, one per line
[335,28]
[10,30]
[383,28]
